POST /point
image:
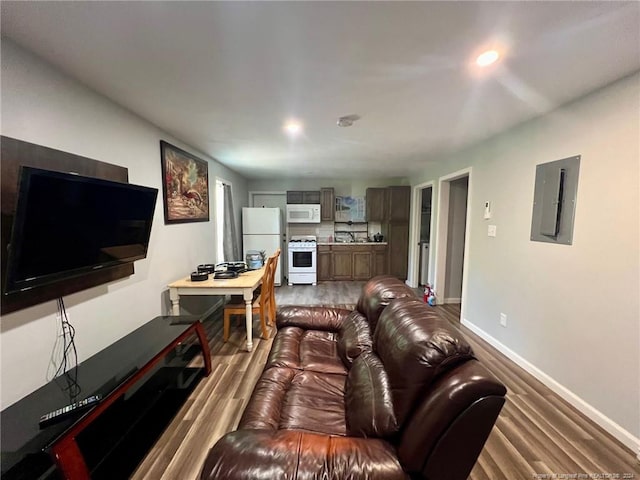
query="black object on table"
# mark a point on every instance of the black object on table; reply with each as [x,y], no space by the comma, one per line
[73,409]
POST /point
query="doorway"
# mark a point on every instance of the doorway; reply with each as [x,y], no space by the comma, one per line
[452,238]
[421,243]
[425,236]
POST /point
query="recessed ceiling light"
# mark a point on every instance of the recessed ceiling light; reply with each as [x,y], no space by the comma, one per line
[293,127]
[487,58]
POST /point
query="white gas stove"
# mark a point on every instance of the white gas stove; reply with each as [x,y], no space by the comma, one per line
[302,260]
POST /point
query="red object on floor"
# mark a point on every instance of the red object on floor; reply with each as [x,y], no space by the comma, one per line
[427,293]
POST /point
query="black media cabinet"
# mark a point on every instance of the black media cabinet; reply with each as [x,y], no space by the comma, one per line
[144,378]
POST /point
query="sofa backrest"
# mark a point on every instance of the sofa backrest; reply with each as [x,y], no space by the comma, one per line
[353,338]
[415,347]
[368,399]
[376,295]
[445,401]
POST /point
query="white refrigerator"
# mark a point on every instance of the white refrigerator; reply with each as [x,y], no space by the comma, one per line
[262,230]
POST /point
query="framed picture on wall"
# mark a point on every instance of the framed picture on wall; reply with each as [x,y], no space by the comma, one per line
[185,186]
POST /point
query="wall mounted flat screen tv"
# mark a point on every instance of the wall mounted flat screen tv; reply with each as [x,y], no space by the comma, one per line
[66,225]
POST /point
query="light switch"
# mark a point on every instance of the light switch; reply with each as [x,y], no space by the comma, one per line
[491,230]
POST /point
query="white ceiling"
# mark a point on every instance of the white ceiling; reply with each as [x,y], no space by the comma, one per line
[224,76]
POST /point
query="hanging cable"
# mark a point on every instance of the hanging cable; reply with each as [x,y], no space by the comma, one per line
[68,368]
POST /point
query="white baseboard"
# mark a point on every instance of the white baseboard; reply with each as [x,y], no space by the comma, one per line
[592,413]
[452,300]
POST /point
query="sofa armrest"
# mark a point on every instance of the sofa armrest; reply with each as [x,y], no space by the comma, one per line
[311,318]
[453,420]
[298,455]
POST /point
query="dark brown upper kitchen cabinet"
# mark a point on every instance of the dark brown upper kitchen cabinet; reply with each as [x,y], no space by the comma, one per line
[327,204]
[399,204]
[298,196]
[294,197]
[376,200]
[311,197]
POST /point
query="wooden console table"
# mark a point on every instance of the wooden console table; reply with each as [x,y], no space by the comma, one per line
[143,378]
[244,285]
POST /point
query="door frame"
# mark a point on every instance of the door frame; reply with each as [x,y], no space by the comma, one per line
[442,231]
[217,233]
[413,278]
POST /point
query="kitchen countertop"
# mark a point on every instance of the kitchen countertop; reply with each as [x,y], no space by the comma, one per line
[352,243]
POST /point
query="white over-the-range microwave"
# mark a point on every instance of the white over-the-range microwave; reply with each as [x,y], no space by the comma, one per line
[303,213]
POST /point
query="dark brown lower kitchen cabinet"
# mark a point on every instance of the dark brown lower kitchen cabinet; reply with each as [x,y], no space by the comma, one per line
[341,263]
[324,263]
[351,262]
[362,264]
[379,260]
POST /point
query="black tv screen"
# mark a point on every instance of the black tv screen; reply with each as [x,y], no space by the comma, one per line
[66,225]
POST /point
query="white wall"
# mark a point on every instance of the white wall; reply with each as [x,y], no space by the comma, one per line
[573,311]
[43,106]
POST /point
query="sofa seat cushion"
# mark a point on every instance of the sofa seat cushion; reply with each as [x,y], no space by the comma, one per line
[296,455]
[265,405]
[315,403]
[314,350]
[287,398]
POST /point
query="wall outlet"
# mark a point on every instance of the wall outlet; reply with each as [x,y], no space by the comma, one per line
[492,230]
[503,319]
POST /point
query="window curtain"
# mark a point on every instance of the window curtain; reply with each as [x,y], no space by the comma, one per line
[229,238]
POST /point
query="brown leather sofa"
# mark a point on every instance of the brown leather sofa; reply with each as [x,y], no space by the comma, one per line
[377,393]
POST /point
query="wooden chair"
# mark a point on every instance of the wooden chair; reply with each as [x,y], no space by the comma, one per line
[271,318]
[264,305]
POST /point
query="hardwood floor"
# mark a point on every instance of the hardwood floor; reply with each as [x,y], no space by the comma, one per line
[213,409]
[325,293]
[536,436]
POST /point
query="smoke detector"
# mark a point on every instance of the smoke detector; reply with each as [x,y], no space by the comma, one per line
[347,120]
